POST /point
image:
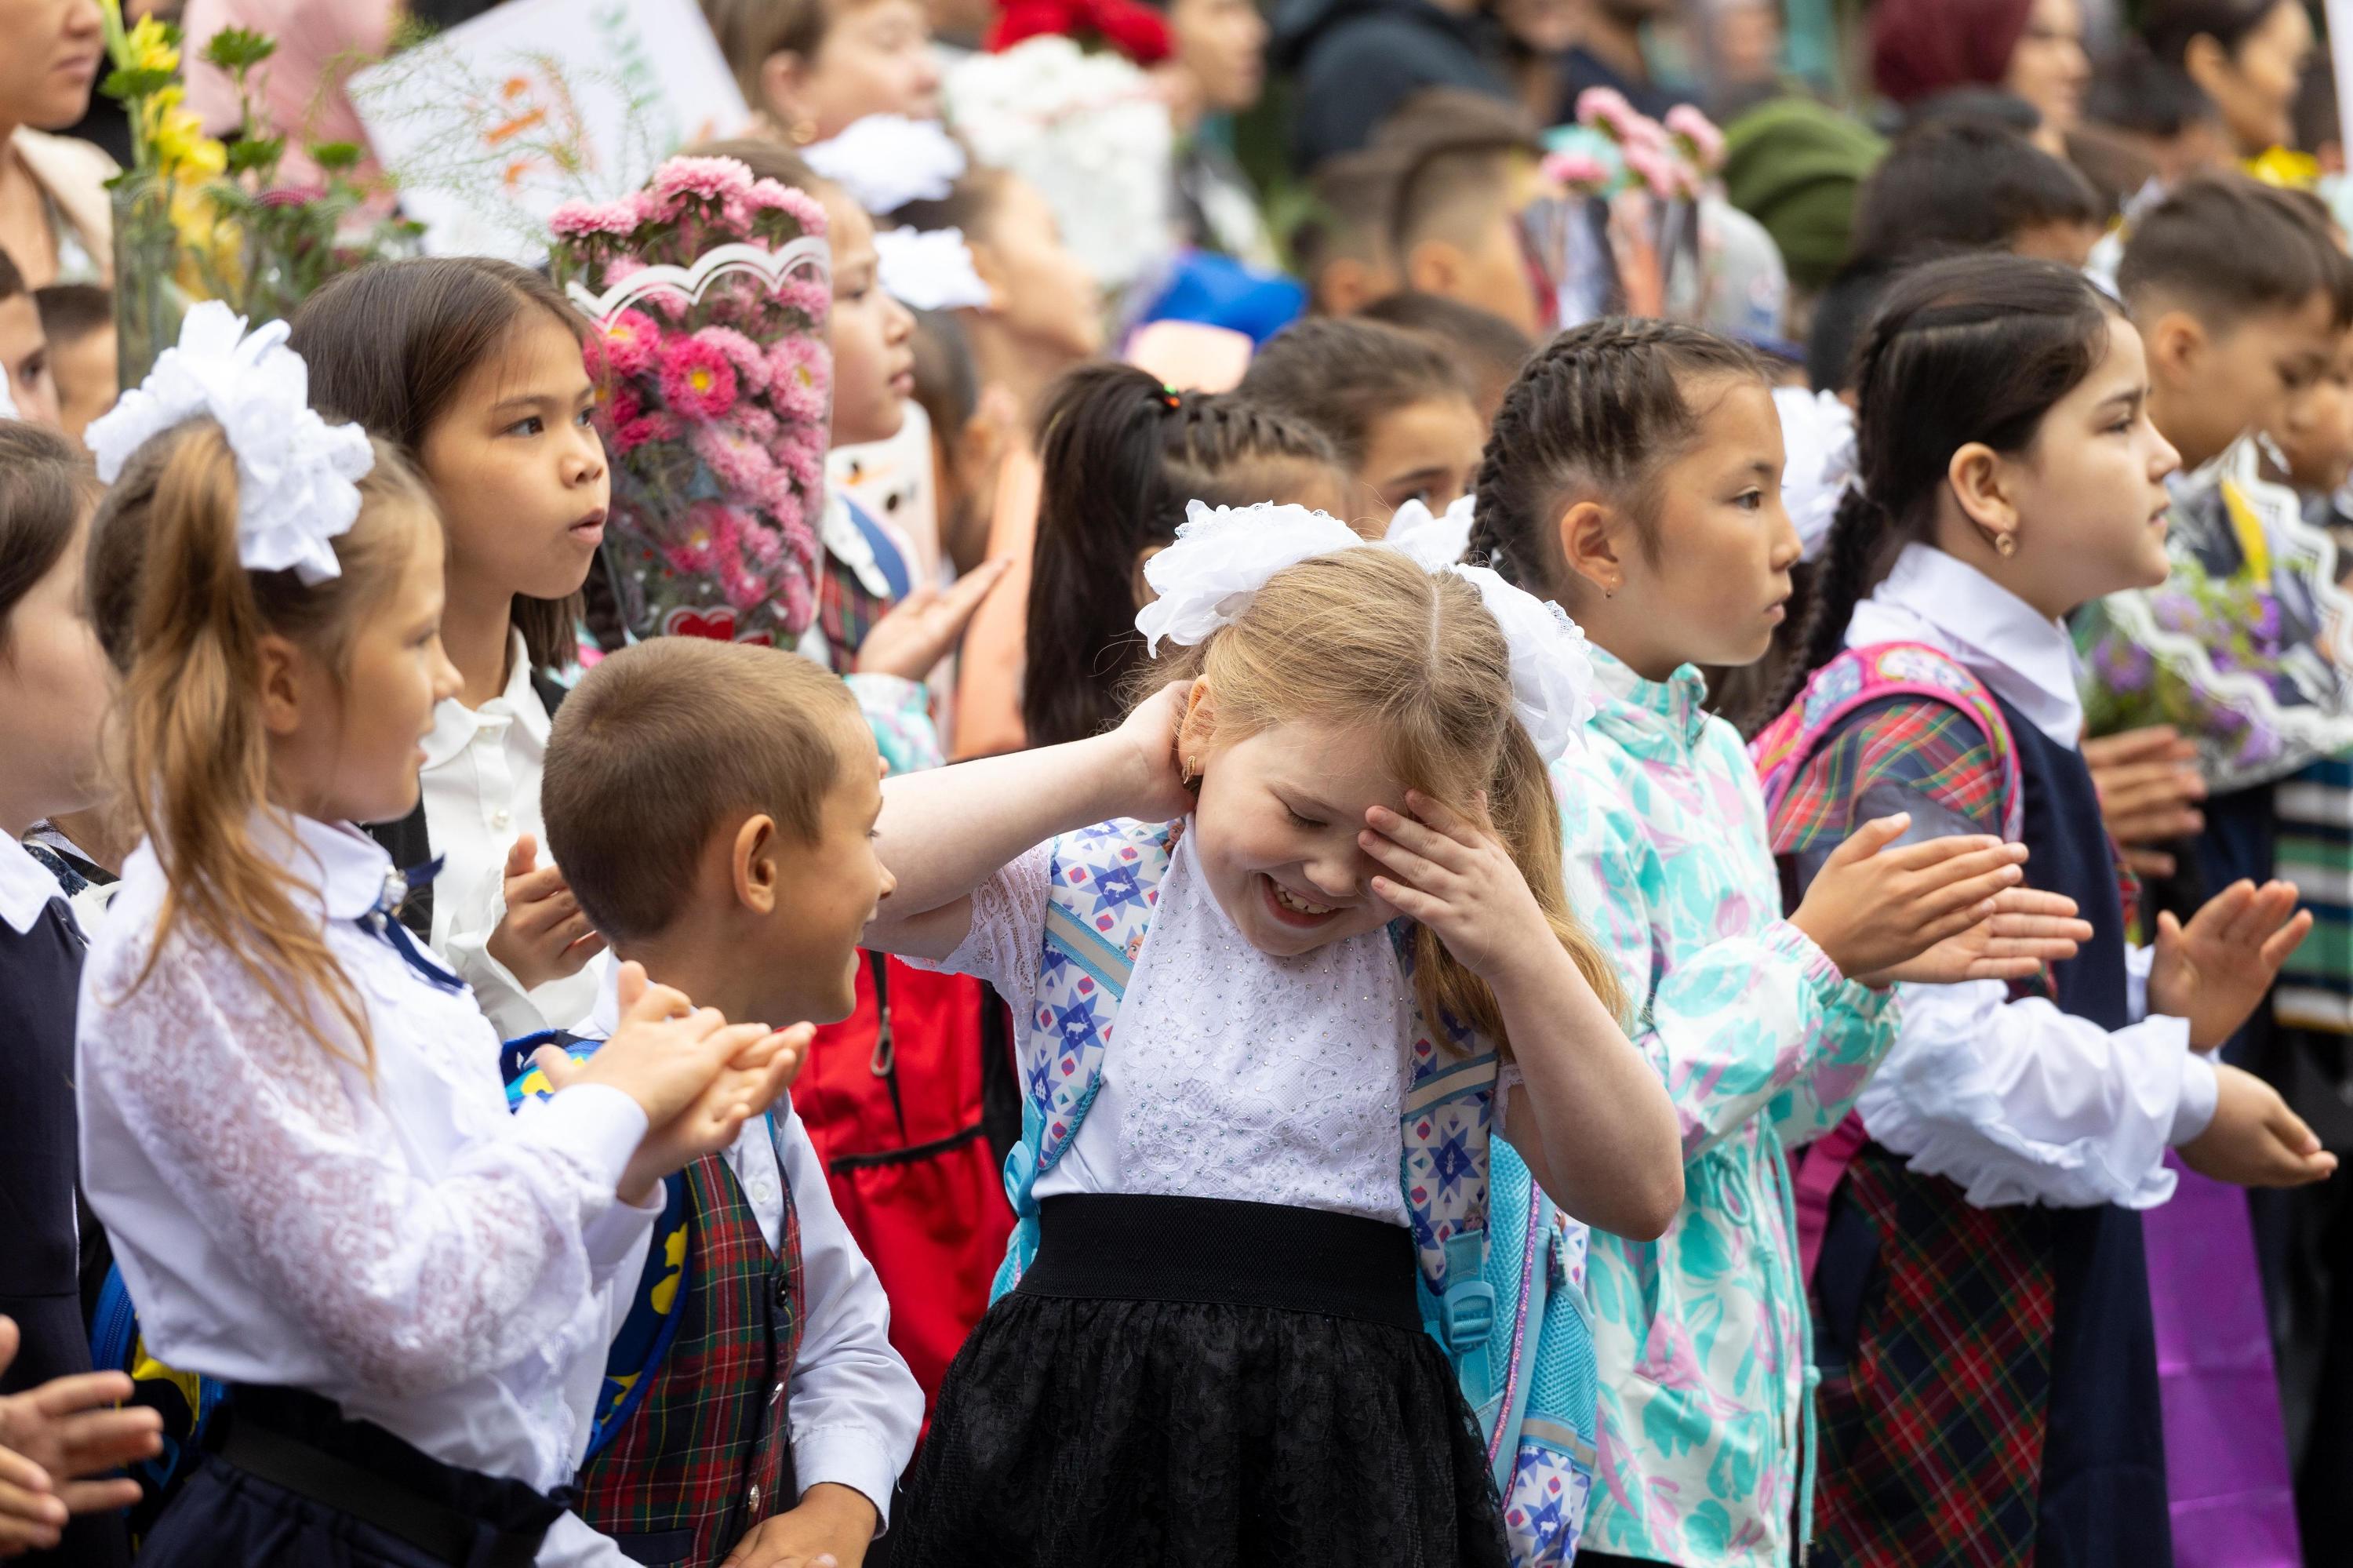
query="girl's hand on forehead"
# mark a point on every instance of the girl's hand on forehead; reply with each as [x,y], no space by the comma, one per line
[1448,871]
[1144,748]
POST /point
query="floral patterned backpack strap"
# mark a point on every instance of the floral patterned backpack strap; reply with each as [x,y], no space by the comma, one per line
[1450,1112]
[1105,884]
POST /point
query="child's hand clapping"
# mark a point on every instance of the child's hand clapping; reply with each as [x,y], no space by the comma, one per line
[2215,970]
[923,629]
[698,1077]
[2254,1141]
[1873,909]
[1452,874]
[2026,930]
[54,1435]
[544,936]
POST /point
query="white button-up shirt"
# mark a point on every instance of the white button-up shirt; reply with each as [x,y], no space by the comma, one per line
[393,1240]
[480,782]
[2018,1101]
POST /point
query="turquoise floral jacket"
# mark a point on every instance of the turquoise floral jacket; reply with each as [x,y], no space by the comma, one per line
[1701,1337]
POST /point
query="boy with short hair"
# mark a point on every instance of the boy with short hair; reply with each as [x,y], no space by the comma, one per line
[24,351]
[1970,184]
[79,321]
[718,799]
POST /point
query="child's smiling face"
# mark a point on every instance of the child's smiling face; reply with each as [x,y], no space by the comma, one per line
[1276,828]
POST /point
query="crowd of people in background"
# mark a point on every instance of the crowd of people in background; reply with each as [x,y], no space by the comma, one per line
[1683,671]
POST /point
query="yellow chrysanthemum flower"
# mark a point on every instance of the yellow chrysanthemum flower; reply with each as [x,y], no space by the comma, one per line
[150,47]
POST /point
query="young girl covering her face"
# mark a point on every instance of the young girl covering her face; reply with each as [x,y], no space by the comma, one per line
[1635,473]
[402,1282]
[1993,1184]
[472,369]
[1211,1345]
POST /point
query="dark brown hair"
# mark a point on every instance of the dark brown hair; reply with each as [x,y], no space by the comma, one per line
[72,312]
[1341,375]
[751,32]
[2170,27]
[2230,246]
[1496,351]
[1456,149]
[1594,416]
[970,205]
[44,488]
[12,282]
[662,745]
[1122,455]
[1970,348]
[767,160]
[1964,184]
[391,346]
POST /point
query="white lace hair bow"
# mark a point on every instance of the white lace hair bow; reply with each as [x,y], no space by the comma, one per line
[928,268]
[1818,435]
[1442,537]
[1222,556]
[885,161]
[296,474]
[8,404]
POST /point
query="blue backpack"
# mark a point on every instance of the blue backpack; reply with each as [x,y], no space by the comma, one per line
[1502,1270]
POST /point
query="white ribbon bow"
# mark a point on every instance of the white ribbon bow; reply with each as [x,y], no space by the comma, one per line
[1818,435]
[885,161]
[296,474]
[1223,556]
[929,268]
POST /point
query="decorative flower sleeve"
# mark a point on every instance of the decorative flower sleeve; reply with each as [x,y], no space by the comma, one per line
[1757,1019]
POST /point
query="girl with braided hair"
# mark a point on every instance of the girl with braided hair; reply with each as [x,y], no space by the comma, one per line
[1634,476]
[1989,1366]
[1123,456]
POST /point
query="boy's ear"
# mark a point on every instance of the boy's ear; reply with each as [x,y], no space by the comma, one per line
[754,874]
[1347,285]
[2177,343]
[1590,544]
[783,76]
[1435,267]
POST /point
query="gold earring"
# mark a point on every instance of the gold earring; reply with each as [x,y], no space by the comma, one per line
[804,132]
[2005,545]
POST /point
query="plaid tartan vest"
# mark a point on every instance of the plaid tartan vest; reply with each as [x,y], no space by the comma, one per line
[707,1454]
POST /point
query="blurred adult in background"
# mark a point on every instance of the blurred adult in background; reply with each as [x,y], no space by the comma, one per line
[2248,57]
[54,219]
[811,69]
[1354,61]
[1794,166]
[1216,69]
[1609,54]
[2032,49]
[2145,120]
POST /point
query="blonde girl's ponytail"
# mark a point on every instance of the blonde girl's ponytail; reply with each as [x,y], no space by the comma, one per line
[191,731]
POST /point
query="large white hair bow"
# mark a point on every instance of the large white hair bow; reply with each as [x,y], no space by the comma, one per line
[297,475]
[1438,539]
[1223,556]
[8,404]
[928,268]
[1818,436]
[885,161]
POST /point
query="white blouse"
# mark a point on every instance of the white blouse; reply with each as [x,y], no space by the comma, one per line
[1230,1073]
[404,1247]
[480,783]
[2018,1101]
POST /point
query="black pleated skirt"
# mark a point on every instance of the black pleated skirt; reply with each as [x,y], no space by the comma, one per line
[1188,1381]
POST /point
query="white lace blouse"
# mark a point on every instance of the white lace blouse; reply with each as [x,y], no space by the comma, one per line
[405,1248]
[1229,1072]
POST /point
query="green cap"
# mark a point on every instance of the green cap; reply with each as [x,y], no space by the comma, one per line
[1794,166]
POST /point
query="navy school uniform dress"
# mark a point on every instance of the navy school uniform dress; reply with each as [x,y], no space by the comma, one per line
[40,972]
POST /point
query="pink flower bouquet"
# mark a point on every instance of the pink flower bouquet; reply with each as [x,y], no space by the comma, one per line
[709,290]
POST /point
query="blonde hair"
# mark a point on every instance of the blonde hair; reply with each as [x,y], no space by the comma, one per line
[191,727]
[1368,639]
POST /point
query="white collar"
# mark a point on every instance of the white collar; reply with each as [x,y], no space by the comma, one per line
[341,871]
[1936,598]
[605,1017]
[455,725]
[26,886]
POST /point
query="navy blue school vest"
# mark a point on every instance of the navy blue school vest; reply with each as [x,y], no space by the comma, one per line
[2103,1501]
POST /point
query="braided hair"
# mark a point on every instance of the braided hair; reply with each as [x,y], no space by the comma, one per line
[1972,348]
[1594,416]
[1121,454]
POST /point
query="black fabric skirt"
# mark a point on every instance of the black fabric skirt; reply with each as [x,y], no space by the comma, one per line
[292,1483]
[1188,1381]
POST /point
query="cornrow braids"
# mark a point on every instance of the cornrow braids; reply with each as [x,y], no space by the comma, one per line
[1123,455]
[1594,416]
[1973,349]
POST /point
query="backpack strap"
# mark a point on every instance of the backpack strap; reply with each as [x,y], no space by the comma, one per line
[1449,1114]
[650,1325]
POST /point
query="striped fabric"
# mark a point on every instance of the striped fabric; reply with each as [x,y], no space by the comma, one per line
[2315,850]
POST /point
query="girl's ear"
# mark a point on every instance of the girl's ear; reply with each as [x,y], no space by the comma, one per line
[284,670]
[993,275]
[784,79]
[754,874]
[1197,728]
[1980,481]
[1590,545]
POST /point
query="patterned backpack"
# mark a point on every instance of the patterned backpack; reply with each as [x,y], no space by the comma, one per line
[1511,1316]
[1783,751]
